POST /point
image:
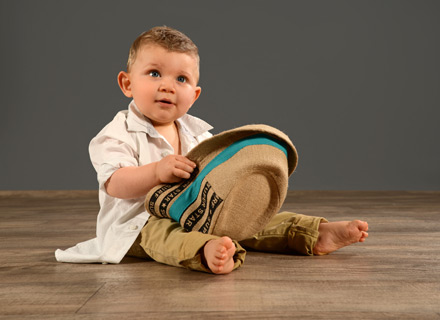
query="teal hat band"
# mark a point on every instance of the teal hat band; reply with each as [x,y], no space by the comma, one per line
[191,193]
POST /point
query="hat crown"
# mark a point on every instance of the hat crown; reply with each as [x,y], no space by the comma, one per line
[240,182]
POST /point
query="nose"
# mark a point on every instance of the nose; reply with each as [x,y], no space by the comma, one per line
[166,85]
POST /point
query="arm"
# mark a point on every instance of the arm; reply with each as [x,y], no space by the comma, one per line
[134,182]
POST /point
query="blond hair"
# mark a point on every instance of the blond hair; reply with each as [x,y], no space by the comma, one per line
[166,37]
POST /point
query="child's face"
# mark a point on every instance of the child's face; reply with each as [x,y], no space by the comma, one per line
[163,84]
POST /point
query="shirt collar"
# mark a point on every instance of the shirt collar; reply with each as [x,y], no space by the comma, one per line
[188,124]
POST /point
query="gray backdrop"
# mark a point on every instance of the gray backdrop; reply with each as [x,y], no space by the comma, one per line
[355,84]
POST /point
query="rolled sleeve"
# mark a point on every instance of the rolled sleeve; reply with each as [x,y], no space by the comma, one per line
[109,154]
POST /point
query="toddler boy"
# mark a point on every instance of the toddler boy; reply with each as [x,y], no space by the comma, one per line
[145,146]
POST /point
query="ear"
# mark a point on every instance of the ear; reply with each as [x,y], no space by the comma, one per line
[125,83]
[197,93]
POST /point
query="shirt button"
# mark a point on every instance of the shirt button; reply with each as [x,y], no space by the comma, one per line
[133,227]
[165,154]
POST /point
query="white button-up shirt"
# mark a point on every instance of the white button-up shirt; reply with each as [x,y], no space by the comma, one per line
[128,140]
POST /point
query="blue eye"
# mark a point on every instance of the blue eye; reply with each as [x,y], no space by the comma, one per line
[154,74]
[181,79]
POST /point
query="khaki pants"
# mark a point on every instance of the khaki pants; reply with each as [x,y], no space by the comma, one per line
[165,241]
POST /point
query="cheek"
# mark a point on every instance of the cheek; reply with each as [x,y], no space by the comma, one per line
[189,97]
[143,90]
[188,102]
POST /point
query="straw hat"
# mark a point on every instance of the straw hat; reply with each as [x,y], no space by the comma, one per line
[239,184]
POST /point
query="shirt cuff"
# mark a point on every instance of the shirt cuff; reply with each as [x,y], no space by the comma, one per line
[106,170]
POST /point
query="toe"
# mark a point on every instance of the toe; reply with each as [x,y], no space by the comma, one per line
[363,226]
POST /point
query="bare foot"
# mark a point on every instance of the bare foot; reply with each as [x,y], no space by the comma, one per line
[335,235]
[219,254]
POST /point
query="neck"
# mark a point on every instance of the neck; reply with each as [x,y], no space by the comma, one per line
[171,133]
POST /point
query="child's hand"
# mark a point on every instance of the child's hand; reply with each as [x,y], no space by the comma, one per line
[174,168]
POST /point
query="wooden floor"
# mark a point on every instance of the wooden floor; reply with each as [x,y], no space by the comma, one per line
[394,275]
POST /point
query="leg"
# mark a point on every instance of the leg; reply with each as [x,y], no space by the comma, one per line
[287,233]
[296,233]
[167,242]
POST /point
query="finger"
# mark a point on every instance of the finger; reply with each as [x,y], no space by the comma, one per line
[185,160]
[181,173]
[184,167]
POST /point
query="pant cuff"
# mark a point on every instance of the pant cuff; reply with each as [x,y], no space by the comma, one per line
[303,238]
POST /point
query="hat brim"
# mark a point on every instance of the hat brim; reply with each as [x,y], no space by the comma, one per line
[225,138]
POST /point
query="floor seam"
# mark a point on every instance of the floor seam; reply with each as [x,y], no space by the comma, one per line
[85,302]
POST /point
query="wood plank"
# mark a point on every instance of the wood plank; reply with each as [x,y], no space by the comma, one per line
[394,275]
[226,295]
